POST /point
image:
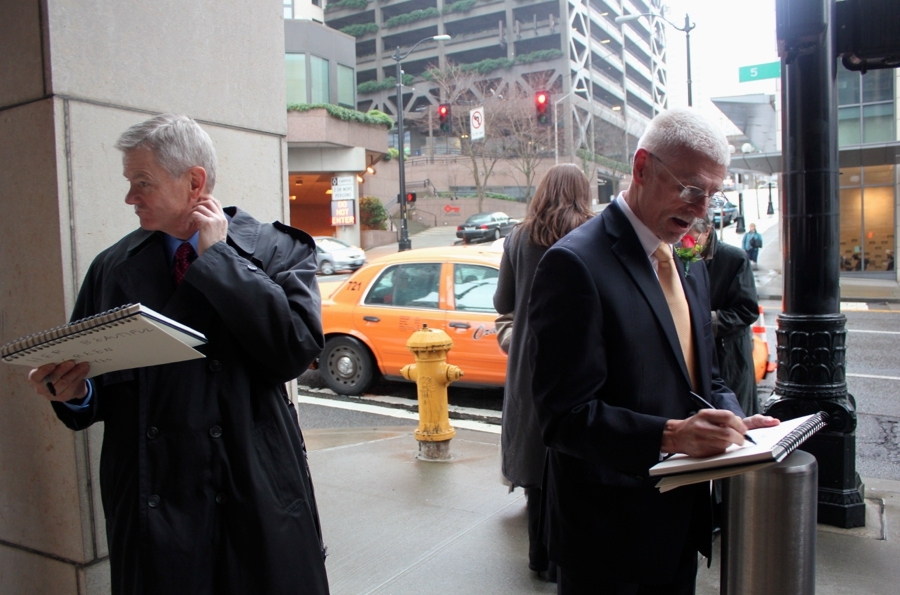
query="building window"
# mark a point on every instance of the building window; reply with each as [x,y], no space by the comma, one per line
[319,90]
[295,73]
[288,9]
[867,218]
[345,80]
[866,107]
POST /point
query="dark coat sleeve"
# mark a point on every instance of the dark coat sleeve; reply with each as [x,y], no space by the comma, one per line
[733,296]
[270,299]
[505,294]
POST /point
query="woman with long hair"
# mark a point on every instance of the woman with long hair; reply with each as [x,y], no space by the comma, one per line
[562,203]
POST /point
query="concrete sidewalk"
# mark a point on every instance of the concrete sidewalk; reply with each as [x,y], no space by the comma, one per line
[396,525]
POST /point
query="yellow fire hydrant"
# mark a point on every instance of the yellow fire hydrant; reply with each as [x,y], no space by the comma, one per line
[432,375]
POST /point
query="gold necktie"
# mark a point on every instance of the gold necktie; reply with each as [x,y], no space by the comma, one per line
[678,306]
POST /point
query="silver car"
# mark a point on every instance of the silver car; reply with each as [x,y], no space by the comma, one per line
[335,255]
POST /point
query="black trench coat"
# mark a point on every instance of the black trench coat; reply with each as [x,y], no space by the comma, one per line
[203,472]
[732,296]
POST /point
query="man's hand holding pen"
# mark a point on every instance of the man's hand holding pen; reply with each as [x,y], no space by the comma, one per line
[710,432]
[62,382]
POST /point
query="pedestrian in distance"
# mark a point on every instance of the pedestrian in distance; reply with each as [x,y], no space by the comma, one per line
[734,308]
[203,476]
[619,335]
[561,203]
[751,243]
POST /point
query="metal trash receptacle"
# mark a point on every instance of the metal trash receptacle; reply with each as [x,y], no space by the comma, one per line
[769,534]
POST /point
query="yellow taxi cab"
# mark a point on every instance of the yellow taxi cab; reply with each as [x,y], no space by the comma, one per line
[368,318]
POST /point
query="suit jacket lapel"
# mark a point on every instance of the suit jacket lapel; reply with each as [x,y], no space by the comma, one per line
[628,249]
[699,308]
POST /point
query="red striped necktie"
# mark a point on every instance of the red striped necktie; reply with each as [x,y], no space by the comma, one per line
[184,256]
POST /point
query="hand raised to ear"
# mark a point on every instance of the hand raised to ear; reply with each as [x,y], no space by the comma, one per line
[211,222]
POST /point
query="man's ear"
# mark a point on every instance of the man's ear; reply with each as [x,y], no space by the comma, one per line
[197,178]
[641,156]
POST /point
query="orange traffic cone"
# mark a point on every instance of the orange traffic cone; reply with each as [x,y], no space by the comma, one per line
[761,363]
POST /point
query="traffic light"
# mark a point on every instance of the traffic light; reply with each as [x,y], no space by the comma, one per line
[542,105]
[410,197]
[444,117]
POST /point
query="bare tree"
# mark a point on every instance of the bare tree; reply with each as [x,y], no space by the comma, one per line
[530,141]
[465,90]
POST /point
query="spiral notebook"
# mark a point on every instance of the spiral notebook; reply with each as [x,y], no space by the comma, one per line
[772,446]
[132,336]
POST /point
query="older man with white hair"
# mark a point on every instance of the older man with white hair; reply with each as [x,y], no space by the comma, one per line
[621,341]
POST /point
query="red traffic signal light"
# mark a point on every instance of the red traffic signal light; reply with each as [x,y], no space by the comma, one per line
[410,197]
[542,105]
[444,117]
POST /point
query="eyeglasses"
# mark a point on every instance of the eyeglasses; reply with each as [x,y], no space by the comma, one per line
[693,195]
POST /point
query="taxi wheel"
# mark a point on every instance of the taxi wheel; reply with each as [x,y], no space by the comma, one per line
[347,366]
[326,268]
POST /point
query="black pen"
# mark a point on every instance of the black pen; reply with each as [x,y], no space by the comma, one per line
[707,405]
[50,387]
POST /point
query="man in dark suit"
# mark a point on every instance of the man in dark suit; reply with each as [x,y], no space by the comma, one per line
[613,377]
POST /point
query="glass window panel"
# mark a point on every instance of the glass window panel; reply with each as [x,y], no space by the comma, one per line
[878,175]
[851,176]
[851,226]
[295,73]
[878,224]
[848,126]
[288,9]
[474,287]
[319,90]
[345,86]
[878,123]
[878,85]
[848,86]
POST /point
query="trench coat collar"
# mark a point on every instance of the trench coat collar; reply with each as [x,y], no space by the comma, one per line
[140,275]
[626,246]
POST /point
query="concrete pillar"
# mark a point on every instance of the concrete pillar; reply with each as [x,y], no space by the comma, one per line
[71,79]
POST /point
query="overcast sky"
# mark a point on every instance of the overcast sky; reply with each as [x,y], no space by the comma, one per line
[728,34]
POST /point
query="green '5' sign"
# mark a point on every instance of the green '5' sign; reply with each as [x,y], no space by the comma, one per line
[758,72]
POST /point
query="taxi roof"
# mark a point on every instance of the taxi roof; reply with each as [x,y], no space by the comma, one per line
[487,253]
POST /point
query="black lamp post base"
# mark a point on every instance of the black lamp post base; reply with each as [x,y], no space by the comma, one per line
[841,491]
[404,244]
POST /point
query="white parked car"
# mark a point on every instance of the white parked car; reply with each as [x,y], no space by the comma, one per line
[335,255]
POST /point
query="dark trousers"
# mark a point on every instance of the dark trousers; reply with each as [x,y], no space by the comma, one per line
[684,582]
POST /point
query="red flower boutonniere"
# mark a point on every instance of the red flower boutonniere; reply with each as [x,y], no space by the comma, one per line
[688,252]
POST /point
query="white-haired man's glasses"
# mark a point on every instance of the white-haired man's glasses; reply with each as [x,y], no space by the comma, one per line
[693,195]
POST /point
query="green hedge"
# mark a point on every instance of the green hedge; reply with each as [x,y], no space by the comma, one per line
[460,6]
[372,118]
[360,30]
[538,56]
[489,65]
[372,214]
[361,4]
[391,154]
[411,17]
[390,82]
[610,163]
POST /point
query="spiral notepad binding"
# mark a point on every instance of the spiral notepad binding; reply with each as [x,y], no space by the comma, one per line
[800,434]
[44,340]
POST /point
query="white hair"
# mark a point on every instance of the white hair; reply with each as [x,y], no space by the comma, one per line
[177,142]
[685,128]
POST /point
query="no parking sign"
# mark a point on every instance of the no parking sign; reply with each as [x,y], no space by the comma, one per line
[476,123]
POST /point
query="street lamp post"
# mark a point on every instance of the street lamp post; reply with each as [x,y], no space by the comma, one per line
[404,243]
[688,27]
[556,126]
